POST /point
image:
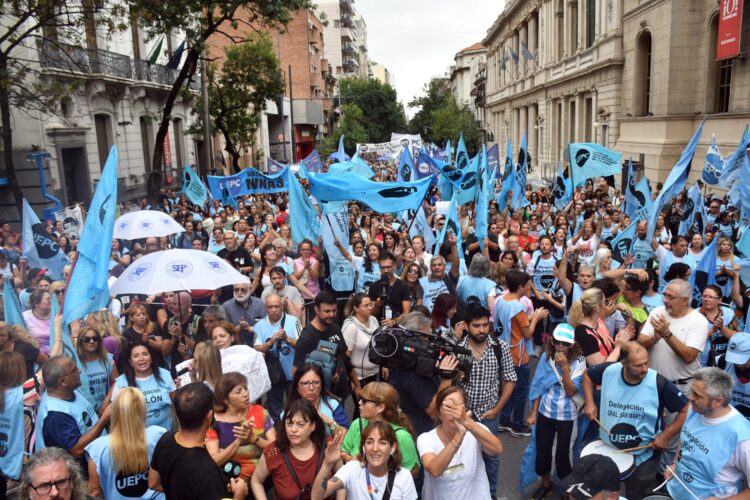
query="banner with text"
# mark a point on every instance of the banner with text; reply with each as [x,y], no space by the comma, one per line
[249,181]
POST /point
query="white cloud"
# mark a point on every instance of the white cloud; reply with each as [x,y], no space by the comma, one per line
[418,39]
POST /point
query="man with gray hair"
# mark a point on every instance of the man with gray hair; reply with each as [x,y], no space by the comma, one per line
[52,473]
[715,449]
[438,281]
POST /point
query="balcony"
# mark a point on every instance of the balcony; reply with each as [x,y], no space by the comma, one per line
[346,6]
[347,20]
[348,35]
[76,59]
[350,65]
[348,48]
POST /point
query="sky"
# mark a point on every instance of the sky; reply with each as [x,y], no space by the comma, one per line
[418,39]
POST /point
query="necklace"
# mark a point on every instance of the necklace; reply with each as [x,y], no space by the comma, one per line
[371,483]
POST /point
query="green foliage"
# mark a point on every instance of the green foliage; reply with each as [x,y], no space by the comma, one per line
[382,113]
[351,126]
[436,95]
[237,94]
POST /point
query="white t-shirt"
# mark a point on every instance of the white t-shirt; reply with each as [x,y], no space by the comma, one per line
[464,478]
[738,466]
[352,474]
[691,329]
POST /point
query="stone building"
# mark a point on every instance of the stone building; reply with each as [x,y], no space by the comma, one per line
[633,75]
[467,65]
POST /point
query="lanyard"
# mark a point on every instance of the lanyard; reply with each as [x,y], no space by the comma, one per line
[369,484]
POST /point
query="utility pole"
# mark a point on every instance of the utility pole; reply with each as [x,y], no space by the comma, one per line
[291,110]
[207,142]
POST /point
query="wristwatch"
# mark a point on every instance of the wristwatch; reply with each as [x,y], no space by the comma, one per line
[667,337]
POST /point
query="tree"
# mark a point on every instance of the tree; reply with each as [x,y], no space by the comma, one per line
[22,83]
[350,125]
[451,120]
[199,20]
[436,94]
[379,104]
[238,92]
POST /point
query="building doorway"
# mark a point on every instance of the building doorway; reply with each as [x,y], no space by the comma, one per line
[75,185]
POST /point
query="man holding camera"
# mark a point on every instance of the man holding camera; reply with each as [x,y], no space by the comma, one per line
[390,295]
[492,380]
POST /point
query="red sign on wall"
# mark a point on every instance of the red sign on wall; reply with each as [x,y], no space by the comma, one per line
[730,29]
[167,151]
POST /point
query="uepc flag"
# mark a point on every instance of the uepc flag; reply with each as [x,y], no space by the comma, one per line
[405,166]
[383,197]
[694,218]
[462,156]
[589,160]
[562,190]
[420,228]
[731,168]
[519,180]
[713,165]
[303,217]
[193,187]
[39,248]
[467,187]
[622,244]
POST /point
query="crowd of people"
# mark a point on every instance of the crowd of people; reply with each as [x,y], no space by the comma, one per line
[564,344]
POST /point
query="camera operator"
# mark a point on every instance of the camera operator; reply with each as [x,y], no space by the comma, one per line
[492,379]
[417,392]
[390,295]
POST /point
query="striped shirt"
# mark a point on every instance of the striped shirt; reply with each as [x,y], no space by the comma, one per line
[555,404]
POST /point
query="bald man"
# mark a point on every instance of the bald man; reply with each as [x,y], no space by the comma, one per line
[633,399]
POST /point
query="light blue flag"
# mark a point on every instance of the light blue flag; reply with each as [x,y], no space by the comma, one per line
[448,154]
[704,273]
[68,349]
[731,169]
[482,209]
[303,172]
[743,245]
[713,165]
[519,180]
[562,191]
[467,187]
[493,157]
[193,187]
[340,154]
[694,220]
[382,197]
[355,165]
[745,183]
[405,166]
[462,156]
[508,175]
[622,244]
[453,225]
[420,227]
[641,201]
[313,162]
[426,166]
[629,204]
[227,199]
[13,312]
[589,160]
[302,214]
[88,290]
[675,181]
[39,249]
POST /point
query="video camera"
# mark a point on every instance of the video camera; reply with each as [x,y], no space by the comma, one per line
[410,350]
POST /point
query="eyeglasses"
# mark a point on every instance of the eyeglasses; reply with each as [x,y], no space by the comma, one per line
[59,291]
[672,297]
[413,271]
[560,342]
[364,400]
[241,290]
[91,340]
[45,488]
[310,384]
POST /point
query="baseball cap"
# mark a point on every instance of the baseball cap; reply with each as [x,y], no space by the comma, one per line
[738,351]
[591,475]
[564,333]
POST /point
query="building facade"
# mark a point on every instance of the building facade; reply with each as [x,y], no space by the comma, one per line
[124,81]
[365,69]
[382,74]
[340,37]
[467,64]
[633,75]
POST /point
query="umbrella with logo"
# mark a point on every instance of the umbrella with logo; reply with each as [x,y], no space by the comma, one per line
[176,270]
[144,224]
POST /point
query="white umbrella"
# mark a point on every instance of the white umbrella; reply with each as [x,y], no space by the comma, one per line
[144,224]
[175,270]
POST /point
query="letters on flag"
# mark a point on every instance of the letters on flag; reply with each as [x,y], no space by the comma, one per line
[193,187]
[303,218]
[249,181]
[713,165]
[72,220]
[562,191]
[383,197]
[39,248]
[589,160]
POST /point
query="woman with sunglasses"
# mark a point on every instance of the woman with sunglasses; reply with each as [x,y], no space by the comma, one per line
[118,463]
[294,459]
[240,430]
[97,362]
[410,276]
[554,391]
[723,323]
[308,384]
[154,382]
[380,403]
[377,471]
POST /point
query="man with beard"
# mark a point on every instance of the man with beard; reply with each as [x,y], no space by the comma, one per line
[492,379]
[641,249]
[438,282]
[390,295]
[244,311]
[715,452]
[633,398]
[238,257]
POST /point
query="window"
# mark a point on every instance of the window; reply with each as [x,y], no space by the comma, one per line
[725,85]
[103,126]
[588,126]
[179,142]
[147,141]
[642,96]
[590,22]
[560,17]
[718,74]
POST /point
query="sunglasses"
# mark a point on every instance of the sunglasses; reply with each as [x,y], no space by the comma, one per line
[59,292]
[412,271]
[364,400]
[560,342]
[91,340]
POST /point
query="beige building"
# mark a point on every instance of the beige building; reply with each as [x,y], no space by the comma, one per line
[467,64]
[633,75]
[382,74]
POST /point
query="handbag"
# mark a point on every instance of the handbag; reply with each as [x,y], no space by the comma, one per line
[273,363]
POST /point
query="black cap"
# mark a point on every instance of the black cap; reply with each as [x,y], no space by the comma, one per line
[592,474]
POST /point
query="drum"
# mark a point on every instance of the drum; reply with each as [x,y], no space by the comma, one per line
[657,496]
[625,461]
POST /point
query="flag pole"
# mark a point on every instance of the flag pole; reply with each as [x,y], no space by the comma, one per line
[415,213]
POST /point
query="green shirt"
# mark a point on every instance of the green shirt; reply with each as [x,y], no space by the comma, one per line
[409,455]
[639,313]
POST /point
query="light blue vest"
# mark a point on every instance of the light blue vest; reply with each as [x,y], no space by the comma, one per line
[505,311]
[642,251]
[342,274]
[431,290]
[80,409]
[11,433]
[158,402]
[99,374]
[264,330]
[706,449]
[636,405]
[473,286]
[117,486]
[670,259]
[724,281]
[740,392]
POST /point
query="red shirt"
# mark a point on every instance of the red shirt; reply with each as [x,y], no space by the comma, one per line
[285,487]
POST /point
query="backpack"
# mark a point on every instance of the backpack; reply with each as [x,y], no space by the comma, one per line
[325,358]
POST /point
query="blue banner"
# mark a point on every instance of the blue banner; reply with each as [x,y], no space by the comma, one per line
[249,181]
[88,290]
[426,166]
[453,225]
[493,157]
[562,190]
[313,162]
[694,220]
[39,248]
[589,160]
[467,186]
[303,218]
[713,165]
[405,166]
[731,169]
[508,174]
[340,154]
[383,197]
[193,187]
[622,244]
[519,180]
[462,156]
[704,273]
[13,312]
[274,167]
[638,202]
[675,181]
